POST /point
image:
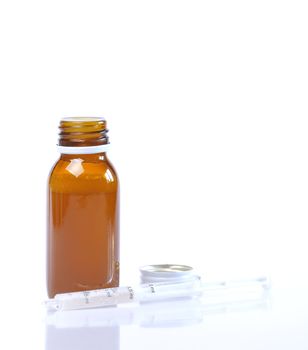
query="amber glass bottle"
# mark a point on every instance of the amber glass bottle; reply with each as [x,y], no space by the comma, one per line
[83,211]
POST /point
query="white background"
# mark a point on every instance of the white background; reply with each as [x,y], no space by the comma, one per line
[206,103]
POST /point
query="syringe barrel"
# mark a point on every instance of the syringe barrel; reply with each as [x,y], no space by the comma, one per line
[212,292]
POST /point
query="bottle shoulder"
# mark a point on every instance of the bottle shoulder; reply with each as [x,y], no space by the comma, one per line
[83,174]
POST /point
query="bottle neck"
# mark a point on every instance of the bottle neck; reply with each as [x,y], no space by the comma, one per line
[93,157]
[83,134]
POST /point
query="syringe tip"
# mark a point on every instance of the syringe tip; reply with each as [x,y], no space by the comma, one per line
[52,305]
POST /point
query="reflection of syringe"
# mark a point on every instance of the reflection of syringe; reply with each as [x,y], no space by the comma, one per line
[212,292]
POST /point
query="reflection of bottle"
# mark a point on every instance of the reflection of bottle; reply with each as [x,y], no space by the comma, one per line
[83,211]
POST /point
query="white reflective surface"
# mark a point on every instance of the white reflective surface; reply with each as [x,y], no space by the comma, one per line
[277,320]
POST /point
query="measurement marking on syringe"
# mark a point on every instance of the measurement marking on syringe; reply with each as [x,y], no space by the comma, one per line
[152,288]
[131,293]
[86,294]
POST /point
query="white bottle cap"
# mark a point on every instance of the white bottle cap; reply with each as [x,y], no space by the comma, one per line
[169,273]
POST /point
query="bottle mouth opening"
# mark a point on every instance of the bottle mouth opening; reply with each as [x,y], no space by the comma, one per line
[83,119]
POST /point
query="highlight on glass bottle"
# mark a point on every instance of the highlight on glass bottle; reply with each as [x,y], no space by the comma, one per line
[83,211]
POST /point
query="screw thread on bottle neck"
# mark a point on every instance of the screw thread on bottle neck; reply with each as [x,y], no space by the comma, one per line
[83,131]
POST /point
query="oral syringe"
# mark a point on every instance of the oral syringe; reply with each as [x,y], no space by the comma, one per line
[150,292]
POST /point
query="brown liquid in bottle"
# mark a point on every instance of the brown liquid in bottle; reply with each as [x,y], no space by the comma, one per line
[83,213]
